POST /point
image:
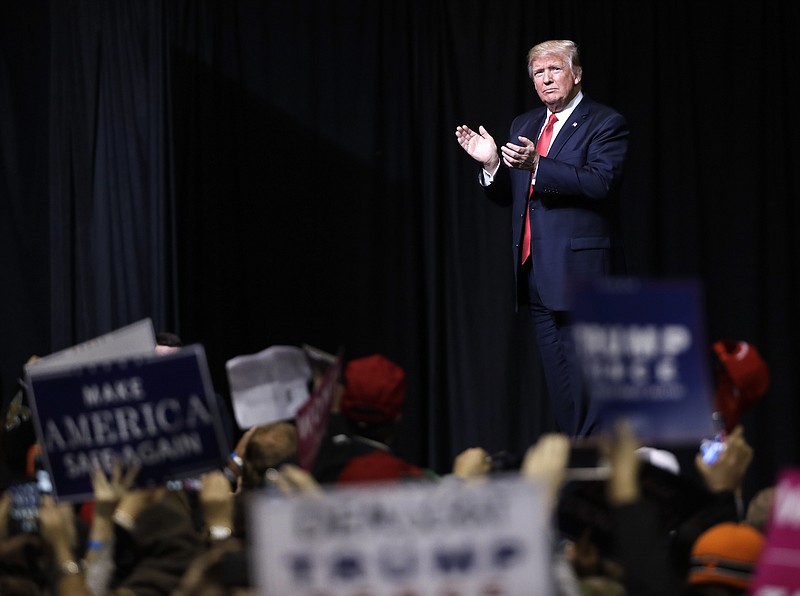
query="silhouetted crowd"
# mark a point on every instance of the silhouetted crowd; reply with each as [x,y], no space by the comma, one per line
[641,525]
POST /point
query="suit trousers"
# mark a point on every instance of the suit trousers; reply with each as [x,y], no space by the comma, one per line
[569,399]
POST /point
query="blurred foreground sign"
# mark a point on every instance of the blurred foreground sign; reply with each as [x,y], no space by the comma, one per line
[425,539]
[130,340]
[312,417]
[645,357]
[778,569]
[159,411]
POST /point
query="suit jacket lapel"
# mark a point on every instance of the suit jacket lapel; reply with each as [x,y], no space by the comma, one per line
[570,127]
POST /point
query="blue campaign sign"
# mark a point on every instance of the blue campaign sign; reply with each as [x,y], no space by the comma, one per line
[159,411]
[644,354]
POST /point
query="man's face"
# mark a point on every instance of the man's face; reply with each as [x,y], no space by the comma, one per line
[555,83]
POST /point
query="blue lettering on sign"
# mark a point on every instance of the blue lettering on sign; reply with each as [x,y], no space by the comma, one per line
[302,568]
[347,567]
[400,563]
[451,559]
[506,554]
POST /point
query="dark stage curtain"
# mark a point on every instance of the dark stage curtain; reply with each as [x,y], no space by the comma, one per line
[257,173]
[111,179]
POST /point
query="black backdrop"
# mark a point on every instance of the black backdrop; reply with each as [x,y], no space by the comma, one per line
[255,173]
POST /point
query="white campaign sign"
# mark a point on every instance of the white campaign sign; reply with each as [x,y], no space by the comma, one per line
[268,386]
[419,538]
[132,340]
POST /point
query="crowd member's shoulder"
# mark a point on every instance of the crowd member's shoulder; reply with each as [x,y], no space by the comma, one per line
[379,466]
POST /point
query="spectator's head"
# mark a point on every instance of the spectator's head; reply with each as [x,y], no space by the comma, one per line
[725,555]
[372,397]
[167,342]
[269,446]
[374,391]
[758,511]
[742,380]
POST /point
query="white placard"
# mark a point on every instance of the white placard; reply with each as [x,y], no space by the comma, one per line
[268,386]
[418,538]
[132,340]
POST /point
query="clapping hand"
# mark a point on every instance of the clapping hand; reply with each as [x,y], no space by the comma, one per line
[479,145]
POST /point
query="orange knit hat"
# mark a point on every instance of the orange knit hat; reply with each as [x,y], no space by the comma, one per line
[726,554]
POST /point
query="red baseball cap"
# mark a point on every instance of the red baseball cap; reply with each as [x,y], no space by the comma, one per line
[742,381]
[374,390]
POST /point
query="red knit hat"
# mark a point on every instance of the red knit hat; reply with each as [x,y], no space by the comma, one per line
[374,390]
[727,554]
[742,381]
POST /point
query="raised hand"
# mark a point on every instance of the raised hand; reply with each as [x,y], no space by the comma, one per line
[479,145]
[108,491]
[292,480]
[472,462]
[216,499]
[623,484]
[546,462]
[728,471]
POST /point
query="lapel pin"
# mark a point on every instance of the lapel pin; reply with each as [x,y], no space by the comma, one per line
[574,124]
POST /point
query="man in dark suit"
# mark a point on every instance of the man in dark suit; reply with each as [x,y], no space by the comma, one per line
[560,173]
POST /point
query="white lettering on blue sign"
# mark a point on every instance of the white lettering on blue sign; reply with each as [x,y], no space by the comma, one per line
[626,359]
[119,391]
[123,424]
[148,452]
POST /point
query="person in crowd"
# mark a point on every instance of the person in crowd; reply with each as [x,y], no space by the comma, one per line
[140,543]
[268,446]
[260,450]
[560,172]
[545,462]
[265,449]
[365,419]
[17,433]
[656,561]
[723,560]
[723,479]
[168,342]
[21,555]
[759,508]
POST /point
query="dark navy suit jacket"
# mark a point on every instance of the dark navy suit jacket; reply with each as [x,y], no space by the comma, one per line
[575,204]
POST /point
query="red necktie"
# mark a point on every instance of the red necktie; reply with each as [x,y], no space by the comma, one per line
[542,146]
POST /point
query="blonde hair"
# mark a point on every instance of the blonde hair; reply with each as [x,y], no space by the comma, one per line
[565,48]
